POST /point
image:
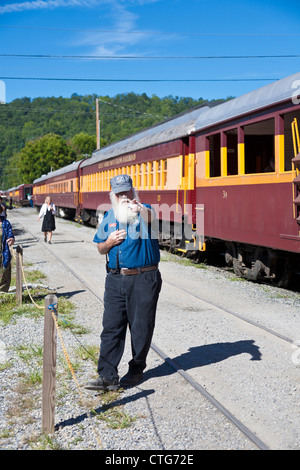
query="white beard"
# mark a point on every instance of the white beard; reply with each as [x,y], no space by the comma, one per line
[123,213]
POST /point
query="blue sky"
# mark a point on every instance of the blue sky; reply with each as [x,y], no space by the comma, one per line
[144,29]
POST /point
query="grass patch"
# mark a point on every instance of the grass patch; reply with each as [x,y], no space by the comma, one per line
[114,415]
[66,318]
[28,387]
[167,257]
[10,310]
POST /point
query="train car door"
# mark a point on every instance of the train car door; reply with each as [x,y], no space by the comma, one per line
[296,170]
[186,190]
[187,193]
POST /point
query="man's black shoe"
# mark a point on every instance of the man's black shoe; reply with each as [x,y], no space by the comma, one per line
[103,384]
[131,379]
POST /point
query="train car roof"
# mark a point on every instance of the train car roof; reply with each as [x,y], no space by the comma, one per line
[191,121]
[61,171]
[200,118]
[174,128]
[268,95]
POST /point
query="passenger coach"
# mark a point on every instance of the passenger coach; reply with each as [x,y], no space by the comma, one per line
[19,194]
[225,176]
[63,186]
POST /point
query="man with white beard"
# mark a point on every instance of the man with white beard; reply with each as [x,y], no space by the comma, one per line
[132,285]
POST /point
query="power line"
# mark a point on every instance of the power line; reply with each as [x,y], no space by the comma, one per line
[142,80]
[139,114]
[142,113]
[156,33]
[132,57]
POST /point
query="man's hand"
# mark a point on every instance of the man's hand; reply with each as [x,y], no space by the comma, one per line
[10,241]
[146,213]
[114,238]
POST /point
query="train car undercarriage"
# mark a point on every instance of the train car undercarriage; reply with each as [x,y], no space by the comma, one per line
[247,261]
[262,264]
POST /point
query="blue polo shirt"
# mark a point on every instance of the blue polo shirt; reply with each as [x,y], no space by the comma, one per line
[140,247]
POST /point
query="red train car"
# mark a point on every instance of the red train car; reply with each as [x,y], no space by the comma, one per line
[226,176]
[160,161]
[247,178]
[19,195]
[63,186]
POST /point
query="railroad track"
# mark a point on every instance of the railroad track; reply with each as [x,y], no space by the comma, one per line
[196,384]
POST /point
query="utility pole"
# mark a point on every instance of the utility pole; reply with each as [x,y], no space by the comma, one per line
[97,123]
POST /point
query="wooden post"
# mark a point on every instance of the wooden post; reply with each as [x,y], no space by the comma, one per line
[49,367]
[97,123]
[19,276]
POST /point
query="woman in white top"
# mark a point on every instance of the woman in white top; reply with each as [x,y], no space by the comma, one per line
[47,211]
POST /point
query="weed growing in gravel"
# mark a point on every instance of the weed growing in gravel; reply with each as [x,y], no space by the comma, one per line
[89,352]
[27,389]
[5,365]
[30,352]
[10,310]
[169,257]
[112,412]
[66,318]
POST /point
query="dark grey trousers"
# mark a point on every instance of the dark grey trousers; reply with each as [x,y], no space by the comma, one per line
[128,300]
[5,279]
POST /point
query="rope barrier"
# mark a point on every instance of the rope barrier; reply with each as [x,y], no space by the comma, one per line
[53,309]
[24,277]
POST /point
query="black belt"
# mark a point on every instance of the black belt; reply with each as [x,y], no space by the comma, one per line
[130,272]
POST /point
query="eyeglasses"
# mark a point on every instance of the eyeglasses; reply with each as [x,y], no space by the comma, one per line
[124,195]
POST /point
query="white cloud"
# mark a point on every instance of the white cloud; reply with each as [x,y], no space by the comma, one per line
[45,4]
[52,4]
[122,23]
[116,15]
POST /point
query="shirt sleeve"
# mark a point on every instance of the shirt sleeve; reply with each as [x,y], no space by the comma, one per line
[9,230]
[42,212]
[102,232]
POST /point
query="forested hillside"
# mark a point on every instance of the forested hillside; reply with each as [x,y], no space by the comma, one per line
[23,123]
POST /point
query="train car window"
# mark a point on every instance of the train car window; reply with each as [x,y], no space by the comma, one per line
[151,175]
[159,174]
[164,173]
[146,174]
[232,152]
[214,155]
[136,175]
[260,146]
[288,138]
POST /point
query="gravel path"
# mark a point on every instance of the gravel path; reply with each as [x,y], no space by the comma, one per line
[228,357]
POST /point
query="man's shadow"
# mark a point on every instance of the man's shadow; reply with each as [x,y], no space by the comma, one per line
[200,356]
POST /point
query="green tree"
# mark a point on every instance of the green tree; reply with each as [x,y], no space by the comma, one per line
[42,155]
[83,144]
[24,120]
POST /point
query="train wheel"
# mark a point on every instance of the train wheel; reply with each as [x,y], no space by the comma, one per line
[230,254]
[284,273]
[233,258]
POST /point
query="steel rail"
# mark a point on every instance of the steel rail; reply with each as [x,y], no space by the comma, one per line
[236,422]
[211,399]
[237,315]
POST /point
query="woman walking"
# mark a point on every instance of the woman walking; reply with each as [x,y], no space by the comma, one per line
[47,211]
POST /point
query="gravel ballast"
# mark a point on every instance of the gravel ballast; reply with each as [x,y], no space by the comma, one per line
[249,371]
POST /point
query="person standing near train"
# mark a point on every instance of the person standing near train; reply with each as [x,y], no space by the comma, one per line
[132,285]
[7,240]
[48,211]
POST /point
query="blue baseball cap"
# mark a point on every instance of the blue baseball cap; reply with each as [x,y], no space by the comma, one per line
[121,183]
